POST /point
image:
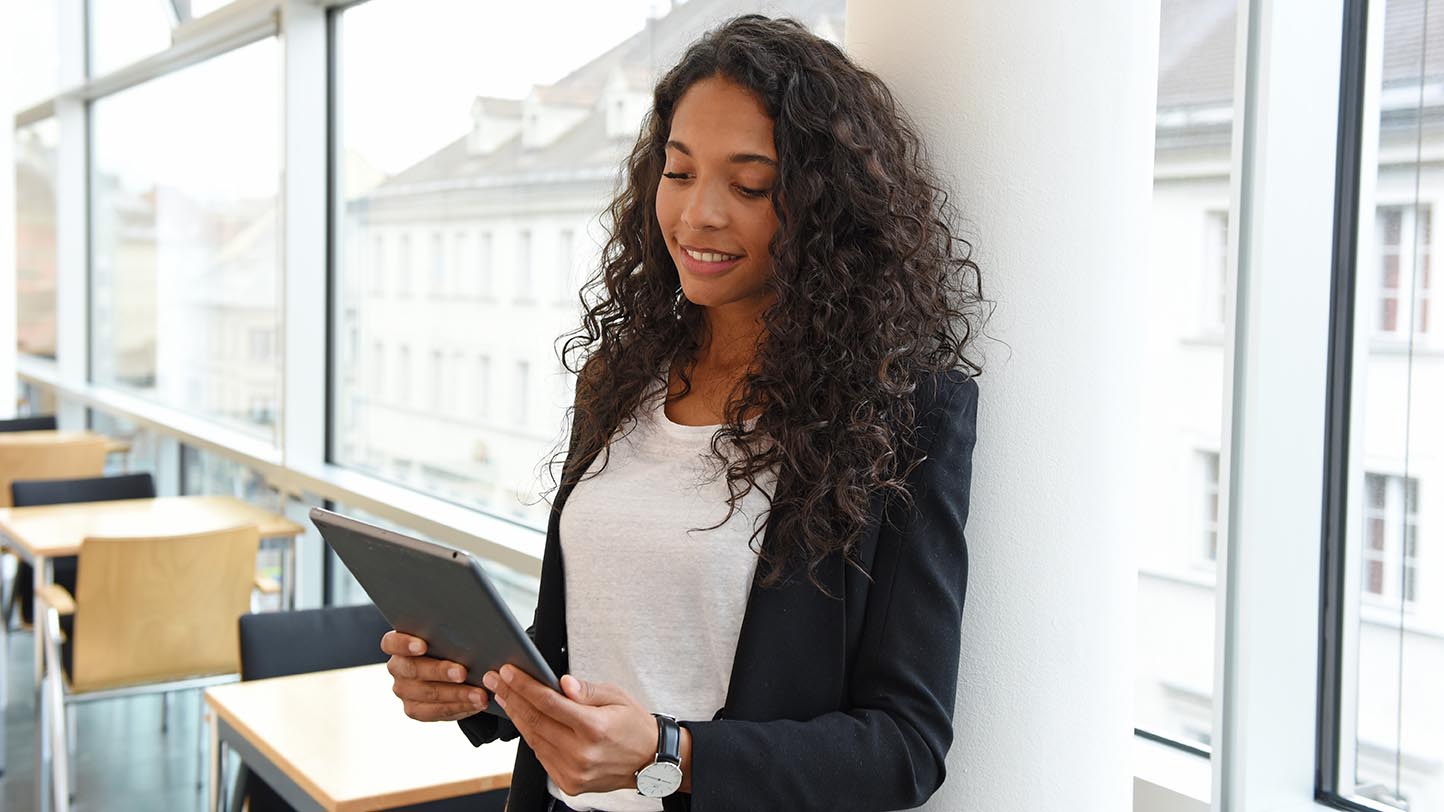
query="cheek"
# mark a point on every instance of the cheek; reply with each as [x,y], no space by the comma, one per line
[667,208]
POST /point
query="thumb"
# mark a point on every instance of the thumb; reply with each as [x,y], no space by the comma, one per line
[587,692]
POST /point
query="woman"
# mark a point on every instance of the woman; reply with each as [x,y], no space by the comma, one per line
[762,504]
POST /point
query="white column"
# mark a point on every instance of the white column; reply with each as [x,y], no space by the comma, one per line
[1040,118]
[303,277]
[7,217]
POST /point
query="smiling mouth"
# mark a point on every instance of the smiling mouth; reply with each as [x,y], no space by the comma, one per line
[710,256]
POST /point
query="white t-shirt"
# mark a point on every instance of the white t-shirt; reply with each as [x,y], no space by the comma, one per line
[654,605]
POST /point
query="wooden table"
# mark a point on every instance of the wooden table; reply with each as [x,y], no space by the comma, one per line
[113,446]
[44,532]
[338,741]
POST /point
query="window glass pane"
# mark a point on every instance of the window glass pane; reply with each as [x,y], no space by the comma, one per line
[184,238]
[1190,297]
[33,40]
[124,31]
[35,147]
[1393,734]
[469,214]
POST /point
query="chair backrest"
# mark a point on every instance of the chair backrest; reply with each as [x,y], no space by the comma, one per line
[25,493]
[276,644]
[160,609]
[37,423]
[66,458]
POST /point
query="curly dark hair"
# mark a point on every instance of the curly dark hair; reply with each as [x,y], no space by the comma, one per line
[873,292]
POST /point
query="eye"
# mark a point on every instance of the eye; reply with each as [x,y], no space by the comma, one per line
[676,176]
[754,193]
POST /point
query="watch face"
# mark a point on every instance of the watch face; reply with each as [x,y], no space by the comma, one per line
[659,779]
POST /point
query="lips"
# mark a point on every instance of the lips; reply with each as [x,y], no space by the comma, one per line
[708,261]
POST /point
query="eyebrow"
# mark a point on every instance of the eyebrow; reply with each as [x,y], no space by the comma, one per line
[736,157]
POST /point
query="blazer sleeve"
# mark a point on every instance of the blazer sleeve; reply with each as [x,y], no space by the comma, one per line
[888,750]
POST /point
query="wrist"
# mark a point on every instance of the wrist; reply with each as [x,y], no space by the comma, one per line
[686,761]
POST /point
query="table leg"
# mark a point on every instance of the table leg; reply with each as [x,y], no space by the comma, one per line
[289,591]
[4,669]
[44,573]
[213,777]
[43,787]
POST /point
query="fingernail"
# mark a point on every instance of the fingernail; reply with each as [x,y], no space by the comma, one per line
[500,701]
[476,698]
[506,673]
[489,680]
[455,674]
[415,646]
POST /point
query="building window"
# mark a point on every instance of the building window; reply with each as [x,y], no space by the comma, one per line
[378,370]
[1391,539]
[403,375]
[403,266]
[521,407]
[483,266]
[1404,236]
[260,338]
[438,265]
[1208,506]
[565,264]
[523,265]
[483,386]
[461,243]
[1215,271]
[434,388]
[378,266]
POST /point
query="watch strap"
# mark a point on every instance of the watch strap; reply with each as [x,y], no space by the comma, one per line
[669,739]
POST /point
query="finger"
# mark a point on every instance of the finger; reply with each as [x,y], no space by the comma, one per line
[426,668]
[595,694]
[438,711]
[530,722]
[545,700]
[402,645]
[441,693]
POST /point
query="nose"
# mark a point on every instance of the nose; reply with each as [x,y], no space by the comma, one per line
[705,208]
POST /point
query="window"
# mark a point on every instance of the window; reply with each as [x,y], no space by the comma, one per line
[1382,739]
[1216,286]
[524,269]
[567,283]
[1208,509]
[1404,235]
[434,387]
[378,370]
[403,266]
[1184,375]
[483,386]
[460,263]
[1391,539]
[483,265]
[520,390]
[511,155]
[378,266]
[184,235]
[403,375]
[125,31]
[33,37]
[35,243]
[438,266]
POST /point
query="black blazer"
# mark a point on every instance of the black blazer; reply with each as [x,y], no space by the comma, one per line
[832,703]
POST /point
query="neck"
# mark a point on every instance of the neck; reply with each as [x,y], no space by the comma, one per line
[733,333]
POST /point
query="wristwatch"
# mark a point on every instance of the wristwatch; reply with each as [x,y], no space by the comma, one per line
[664,775]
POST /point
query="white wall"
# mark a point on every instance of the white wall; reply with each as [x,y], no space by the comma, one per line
[1052,167]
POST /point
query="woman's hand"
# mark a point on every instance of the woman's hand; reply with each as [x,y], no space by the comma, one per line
[591,738]
[431,690]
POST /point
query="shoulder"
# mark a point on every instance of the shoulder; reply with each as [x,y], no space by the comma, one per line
[945,397]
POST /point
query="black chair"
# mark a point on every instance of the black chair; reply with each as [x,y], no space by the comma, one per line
[40,423]
[27,493]
[278,644]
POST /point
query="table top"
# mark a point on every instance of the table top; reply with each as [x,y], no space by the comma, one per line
[342,737]
[112,445]
[56,530]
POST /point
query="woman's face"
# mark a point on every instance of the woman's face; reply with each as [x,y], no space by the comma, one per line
[714,201]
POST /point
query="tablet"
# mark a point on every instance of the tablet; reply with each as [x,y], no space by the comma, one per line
[437,593]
